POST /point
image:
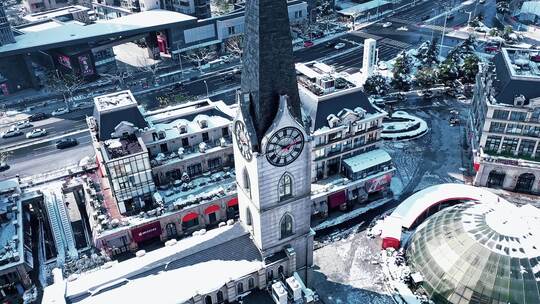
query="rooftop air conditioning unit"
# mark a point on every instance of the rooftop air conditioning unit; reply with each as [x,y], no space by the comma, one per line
[295,288]
[279,293]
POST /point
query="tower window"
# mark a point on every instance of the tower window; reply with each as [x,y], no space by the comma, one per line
[246,182]
[285,187]
[240,288]
[249,220]
[286,226]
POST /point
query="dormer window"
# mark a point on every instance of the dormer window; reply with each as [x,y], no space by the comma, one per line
[182,128]
[203,123]
[161,135]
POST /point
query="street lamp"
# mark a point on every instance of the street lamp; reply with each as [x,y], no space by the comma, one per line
[206,85]
[443,31]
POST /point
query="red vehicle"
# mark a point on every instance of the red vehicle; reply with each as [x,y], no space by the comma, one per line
[535,58]
[308,43]
[491,48]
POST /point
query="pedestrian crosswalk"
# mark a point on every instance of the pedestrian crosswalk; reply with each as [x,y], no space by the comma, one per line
[366,35]
[395,43]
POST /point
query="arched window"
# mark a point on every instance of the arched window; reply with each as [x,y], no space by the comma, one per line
[240,288]
[249,220]
[219,296]
[251,283]
[270,275]
[246,182]
[208,300]
[280,270]
[286,225]
[285,187]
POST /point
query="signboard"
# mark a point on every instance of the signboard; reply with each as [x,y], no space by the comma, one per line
[86,66]
[146,232]
[65,61]
[378,183]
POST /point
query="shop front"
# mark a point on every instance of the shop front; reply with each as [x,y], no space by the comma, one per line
[232,208]
[190,220]
[337,200]
[212,213]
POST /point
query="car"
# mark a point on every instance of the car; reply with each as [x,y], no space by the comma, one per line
[36,133]
[23,124]
[4,166]
[426,17]
[491,48]
[38,116]
[450,17]
[330,44]
[481,29]
[535,58]
[339,46]
[402,28]
[308,43]
[387,24]
[382,66]
[12,132]
[66,143]
[462,98]
[482,1]
[60,111]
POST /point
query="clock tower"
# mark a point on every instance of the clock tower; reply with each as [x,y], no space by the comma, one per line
[272,150]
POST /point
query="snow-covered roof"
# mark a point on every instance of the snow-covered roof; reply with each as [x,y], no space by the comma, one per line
[412,207]
[363,7]
[190,265]
[530,7]
[11,234]
[74,32]
[367,160]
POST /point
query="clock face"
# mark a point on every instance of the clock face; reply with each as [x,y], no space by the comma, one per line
[242,140]
[284,146]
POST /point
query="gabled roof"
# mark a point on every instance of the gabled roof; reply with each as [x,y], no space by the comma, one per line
[352,100]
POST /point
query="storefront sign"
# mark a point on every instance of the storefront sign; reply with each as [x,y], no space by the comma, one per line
[86,66]
[378,184]
[146,232]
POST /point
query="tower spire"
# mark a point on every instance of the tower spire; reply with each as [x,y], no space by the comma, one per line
[268,63]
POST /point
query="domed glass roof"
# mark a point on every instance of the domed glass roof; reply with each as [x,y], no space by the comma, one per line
[479,253]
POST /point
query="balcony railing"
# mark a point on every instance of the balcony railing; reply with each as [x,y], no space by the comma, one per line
[186,152]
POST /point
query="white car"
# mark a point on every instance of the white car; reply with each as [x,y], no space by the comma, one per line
[387,24]
[339,46]
[402,28]
[36,133]
[12,132]
[59,111]
[23,124]
[382,66]
[462,98]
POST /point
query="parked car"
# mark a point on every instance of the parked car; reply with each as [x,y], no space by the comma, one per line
[38,116]
[4,166]
[23,124]
[491,48]
[60,111]
[535,58]
[36,133]
[12,132]
[382,66]
[450,17]
[426,17]
[330,44]
[308,43]
[66,143]
[339,46]
[387,24]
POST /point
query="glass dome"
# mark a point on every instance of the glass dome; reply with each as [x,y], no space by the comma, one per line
[479,253]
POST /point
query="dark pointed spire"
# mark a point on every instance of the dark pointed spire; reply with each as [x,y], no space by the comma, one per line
[268,62]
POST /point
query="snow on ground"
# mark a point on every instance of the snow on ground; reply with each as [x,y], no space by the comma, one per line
[354,277]
[133,55]
[395,126]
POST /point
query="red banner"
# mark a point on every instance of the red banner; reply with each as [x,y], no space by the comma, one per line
[146,232]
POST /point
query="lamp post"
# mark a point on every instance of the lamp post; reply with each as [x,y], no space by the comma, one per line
[443,32]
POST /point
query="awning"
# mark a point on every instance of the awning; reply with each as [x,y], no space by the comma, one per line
[211,209]
[233,202]
[189,217]
[145,232]
[336,199]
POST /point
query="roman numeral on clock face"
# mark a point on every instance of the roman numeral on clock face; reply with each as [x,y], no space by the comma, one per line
[284,146]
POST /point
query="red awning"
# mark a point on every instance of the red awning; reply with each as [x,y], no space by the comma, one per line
[190,216]
[336,199]
[232,202]
[211,209]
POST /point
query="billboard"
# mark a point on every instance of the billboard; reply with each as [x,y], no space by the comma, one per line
[86,65]
[65,61]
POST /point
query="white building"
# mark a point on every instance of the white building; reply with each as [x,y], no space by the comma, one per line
[504,128]
[369,61]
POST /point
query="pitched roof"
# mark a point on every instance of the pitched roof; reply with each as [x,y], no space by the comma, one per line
[107,122]
[334,105]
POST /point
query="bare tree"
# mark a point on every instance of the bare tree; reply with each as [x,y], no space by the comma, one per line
[4,155]
[148,65]
[199,56]
[235,45]
[66,84]
[119,78]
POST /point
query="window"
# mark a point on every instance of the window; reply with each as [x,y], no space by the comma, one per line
[208,299]
[518,116]
[191,223]
[219,296]
[286,226]
[270,275]
[359,141]
[334,136]
[526,147]
[251,283]
[249,220]
[531,131]
[497,127]
[205,136]
[225,132]
[231,30]
[285,187]
[163,148]
[500,114]
[514,128]
[298,14]
[185,142]
[194,170]
[319,153]
[509,145]
[240,288]
[214,163]
[493,143]
[246,182]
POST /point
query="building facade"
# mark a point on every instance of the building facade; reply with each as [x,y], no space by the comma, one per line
[504,127]
[34,6]
[111,9]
